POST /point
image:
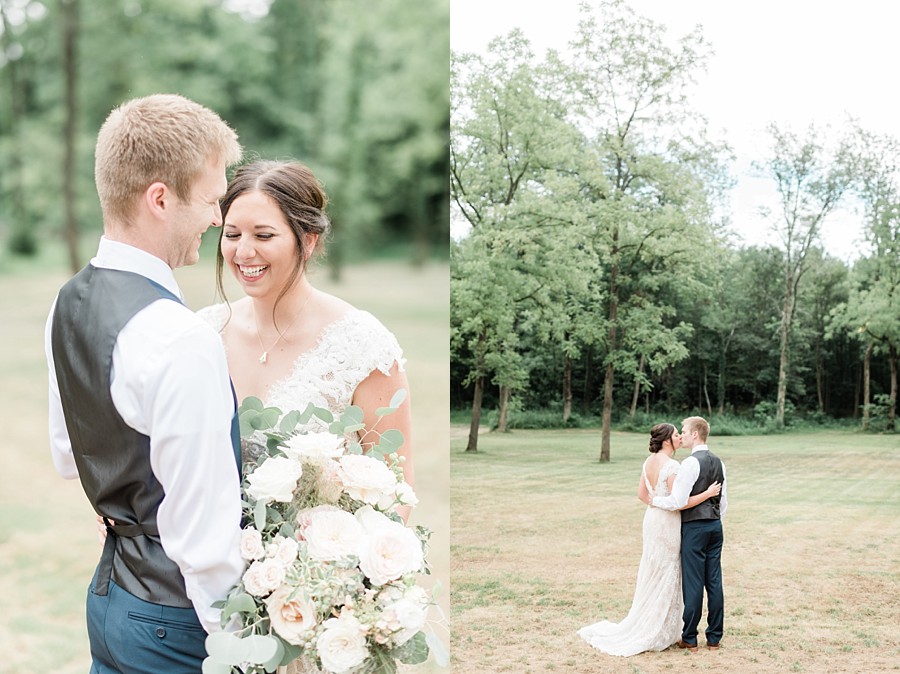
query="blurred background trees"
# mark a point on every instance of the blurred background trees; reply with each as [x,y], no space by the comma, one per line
[357,90]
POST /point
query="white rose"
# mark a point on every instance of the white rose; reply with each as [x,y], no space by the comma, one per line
[389,551]
[254,582]
[333,535]
[315,447]
[366,479]
[405,617]
[283,550]
[342,645]
[251,544]
[275,480]
[305,517]
[406,495]
[291,617]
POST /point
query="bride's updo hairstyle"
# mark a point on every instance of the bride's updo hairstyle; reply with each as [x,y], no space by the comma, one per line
[658,435]
[300,198]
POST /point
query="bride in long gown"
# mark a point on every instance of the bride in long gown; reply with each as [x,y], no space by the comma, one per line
[655,619]
[288,343]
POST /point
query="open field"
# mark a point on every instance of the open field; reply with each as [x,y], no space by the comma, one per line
[545,539]
[48,544]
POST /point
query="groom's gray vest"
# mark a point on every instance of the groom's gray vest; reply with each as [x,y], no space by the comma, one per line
[710,471]
[113,459]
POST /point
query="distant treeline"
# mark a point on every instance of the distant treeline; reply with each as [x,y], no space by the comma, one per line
[357,90]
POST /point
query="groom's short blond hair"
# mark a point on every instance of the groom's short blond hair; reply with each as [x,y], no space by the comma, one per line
[160,138]
[698,424]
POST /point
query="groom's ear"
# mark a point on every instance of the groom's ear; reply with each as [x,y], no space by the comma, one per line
[157,199]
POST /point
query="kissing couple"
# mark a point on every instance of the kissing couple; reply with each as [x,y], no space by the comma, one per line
[682,549]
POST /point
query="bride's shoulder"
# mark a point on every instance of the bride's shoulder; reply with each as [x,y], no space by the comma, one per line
[216,315]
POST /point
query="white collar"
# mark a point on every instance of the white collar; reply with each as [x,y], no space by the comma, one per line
[124,257]
[700,448]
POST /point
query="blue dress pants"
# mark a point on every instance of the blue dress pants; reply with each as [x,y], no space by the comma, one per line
[701,569]
[132,636]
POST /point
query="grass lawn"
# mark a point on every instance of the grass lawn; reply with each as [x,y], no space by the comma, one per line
[48,544]
[545,540]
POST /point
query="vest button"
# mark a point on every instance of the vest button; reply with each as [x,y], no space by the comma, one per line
[161,632]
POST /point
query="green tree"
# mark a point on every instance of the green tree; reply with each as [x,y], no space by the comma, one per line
[810,179]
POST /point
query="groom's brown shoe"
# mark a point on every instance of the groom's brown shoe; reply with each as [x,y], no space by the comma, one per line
[713,647]
[683,644]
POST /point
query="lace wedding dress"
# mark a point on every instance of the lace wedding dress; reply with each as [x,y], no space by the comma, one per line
[347,351]
[655,619]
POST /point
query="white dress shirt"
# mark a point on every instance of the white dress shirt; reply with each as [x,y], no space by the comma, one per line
[170,382]
[684,484]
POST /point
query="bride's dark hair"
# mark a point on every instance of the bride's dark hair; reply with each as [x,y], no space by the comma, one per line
[659,434]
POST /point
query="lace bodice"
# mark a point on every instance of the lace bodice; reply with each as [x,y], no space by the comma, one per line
[347,351]
[669,468]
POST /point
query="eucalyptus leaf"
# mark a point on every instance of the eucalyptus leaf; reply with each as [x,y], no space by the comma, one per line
[438,649]
[272,663]
[261,648]
[323,414]
[398,398]
[289,422]
[354,448]
[227,648]
[259,422]
[271,415]
[291,652]
[353,415]
[384,411]
[241,603]
[287,530]
[274,516]
[306,415]
[336,427]
[245,420]
[259,515]
[211,666]
[252,403]
[391,438]
[354,428]
[414,651]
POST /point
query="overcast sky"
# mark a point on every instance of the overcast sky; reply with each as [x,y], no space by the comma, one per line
[794,62]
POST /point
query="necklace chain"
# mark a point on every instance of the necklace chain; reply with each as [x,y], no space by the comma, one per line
[265,353]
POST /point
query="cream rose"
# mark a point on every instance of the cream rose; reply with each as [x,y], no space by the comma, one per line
[389,550]
[284,550]
[291,617]
[251,544]
[305,517]
[366,479]
[333,535]
[263,577]
[342,645]
[315,447]
[405,618]
[275,480]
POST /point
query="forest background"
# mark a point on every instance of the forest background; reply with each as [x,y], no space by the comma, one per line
[358,91]
[595,282]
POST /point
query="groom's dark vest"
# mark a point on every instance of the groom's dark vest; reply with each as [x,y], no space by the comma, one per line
[710,471]
[113,459]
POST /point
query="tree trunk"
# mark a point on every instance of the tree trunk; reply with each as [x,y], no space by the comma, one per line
[892,410]
[567,388]
[720,385]
[866,382]
[70,61]
[783,361]
[503,421]
[586,398]
[637,389]
[820,376]
[472,446]
[706,391]
[22,239]
[609,375]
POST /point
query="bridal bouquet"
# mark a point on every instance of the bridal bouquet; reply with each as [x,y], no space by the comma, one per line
[331,575]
